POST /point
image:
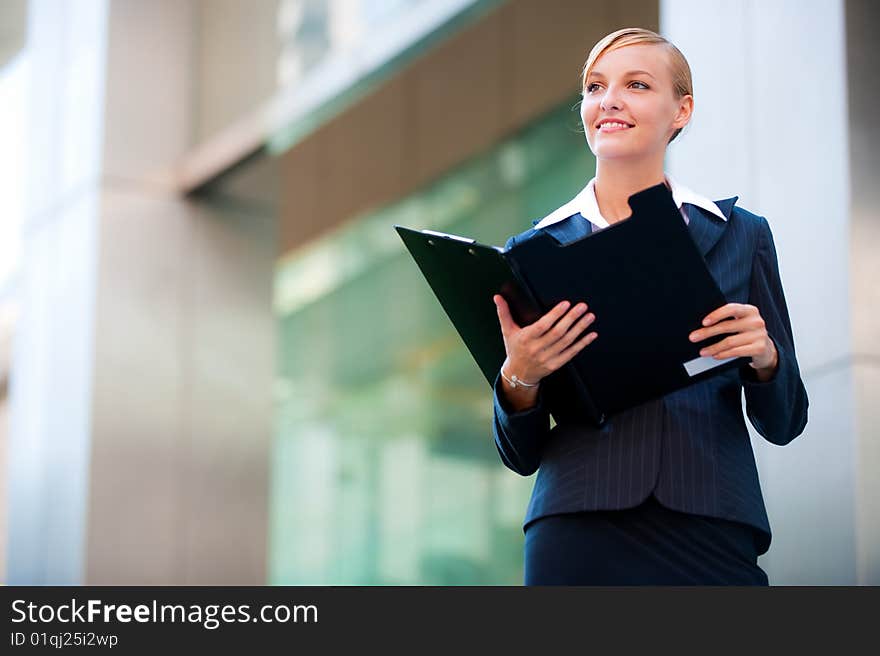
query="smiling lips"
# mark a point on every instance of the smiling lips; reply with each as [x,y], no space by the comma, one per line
[613,126]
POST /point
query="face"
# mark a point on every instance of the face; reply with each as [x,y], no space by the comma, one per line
[629,108]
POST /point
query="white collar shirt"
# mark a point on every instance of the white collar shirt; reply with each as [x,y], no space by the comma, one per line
[585,203]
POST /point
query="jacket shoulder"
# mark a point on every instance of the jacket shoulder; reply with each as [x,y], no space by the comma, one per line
[745,217]
[520,237]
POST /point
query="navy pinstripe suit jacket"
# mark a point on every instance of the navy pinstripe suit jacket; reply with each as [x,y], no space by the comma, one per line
[690,448]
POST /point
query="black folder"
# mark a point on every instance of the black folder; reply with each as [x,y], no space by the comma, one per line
[643,278]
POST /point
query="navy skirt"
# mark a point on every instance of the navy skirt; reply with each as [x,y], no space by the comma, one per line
[646,545]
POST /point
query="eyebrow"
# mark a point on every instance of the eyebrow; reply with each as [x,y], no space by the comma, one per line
[628,73]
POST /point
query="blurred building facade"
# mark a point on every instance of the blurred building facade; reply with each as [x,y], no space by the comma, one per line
[222,366]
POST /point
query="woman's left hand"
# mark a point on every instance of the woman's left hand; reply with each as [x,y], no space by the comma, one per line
[748,337]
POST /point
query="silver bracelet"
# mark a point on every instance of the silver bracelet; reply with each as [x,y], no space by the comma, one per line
[516,382]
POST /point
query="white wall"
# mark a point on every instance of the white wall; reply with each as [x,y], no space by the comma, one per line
[771,126]
[50,388]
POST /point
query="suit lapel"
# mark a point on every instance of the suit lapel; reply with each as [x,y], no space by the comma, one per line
[570,229]
[706,228]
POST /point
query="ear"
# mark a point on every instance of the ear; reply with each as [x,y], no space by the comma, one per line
[685,109]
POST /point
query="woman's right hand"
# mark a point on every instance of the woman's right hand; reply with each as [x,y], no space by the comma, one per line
[539,349]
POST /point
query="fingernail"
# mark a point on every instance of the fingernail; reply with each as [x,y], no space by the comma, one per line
[703,352]
[705,322]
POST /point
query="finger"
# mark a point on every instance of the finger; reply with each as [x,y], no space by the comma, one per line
[752,320]
[568,353]
[569,332]
[508,325]
[741,351]
[725,311]
[563,327]
[546,322]
[723,327]
[728,343]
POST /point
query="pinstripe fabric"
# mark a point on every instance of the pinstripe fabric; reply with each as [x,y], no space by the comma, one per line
[690,448]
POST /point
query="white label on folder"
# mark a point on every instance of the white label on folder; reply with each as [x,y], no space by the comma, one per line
[704,363]
[448,236]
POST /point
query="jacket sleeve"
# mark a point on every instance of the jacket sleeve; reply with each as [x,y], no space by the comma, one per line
[519,435]
[777,408]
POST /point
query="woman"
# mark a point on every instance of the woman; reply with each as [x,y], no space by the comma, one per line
[666,492]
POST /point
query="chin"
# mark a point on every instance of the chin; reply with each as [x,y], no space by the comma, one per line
[608,151]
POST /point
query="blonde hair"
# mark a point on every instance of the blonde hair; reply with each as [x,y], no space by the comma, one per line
[682,83]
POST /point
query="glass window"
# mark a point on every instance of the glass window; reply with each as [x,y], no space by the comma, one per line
[384,466]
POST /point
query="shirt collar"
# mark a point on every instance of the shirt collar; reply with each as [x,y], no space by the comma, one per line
[585,204]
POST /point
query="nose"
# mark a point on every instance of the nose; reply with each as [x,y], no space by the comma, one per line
[610,99]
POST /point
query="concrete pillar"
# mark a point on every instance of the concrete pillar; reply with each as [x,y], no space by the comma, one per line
[141,389]
[862,19]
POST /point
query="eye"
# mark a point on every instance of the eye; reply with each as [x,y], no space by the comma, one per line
[590,87]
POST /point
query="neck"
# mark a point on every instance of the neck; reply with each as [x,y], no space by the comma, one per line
[617,180]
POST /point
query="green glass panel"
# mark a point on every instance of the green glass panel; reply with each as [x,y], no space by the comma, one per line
[384,465]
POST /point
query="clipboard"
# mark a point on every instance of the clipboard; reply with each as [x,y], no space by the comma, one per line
[643,278]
